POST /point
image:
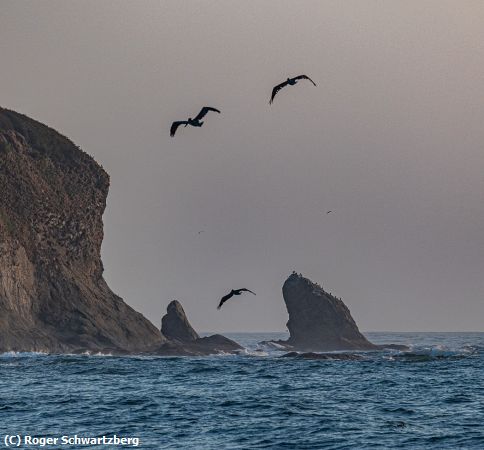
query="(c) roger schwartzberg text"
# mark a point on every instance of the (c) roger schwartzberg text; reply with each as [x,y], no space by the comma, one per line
[17,440]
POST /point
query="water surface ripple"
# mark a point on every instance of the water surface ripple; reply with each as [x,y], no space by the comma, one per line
[431,397]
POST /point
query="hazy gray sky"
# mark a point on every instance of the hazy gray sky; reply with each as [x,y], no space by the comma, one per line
[391,140]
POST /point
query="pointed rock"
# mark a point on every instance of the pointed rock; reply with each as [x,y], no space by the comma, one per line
[184,340]
[318,321]
[175,325]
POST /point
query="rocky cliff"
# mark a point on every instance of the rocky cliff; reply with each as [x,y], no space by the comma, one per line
[318,321]
[52,293]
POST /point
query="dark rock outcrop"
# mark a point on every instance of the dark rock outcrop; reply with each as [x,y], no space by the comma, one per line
[210,345]
[324,356]
[185,341]
[318,321]
[53,296]
[175,325]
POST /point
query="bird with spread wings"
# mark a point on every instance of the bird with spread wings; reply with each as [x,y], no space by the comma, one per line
[195,122]
[231,294]
[288,82]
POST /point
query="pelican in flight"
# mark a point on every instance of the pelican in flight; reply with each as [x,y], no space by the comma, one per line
[196,122]
[290,82]
[231,294]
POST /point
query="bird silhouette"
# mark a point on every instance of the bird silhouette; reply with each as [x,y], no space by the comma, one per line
[196,122]
[290,82]
[231,294]
[327,212]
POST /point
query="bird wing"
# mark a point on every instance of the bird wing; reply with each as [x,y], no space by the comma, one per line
[246,290]
[304,77]
[276,89]
[175,125]
[204,111]
[224,299]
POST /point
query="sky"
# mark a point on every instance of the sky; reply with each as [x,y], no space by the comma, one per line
[391,140]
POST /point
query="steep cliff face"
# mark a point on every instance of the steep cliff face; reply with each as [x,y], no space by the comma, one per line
[319,321]
[52,293]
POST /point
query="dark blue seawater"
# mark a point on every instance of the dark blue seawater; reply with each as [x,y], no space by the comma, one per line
[431,397]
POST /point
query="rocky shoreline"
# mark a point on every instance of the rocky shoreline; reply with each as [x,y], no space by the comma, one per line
[53,297]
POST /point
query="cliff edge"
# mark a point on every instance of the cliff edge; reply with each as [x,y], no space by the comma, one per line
[53,296]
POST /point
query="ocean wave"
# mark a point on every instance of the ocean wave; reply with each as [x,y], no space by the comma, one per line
[22,354]
[436,352]
[204,369]
[88,353]
[253,352]
[248,401]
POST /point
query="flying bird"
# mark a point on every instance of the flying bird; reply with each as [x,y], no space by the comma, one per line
[196,122]
[231,294]
[290,82]
[327,212]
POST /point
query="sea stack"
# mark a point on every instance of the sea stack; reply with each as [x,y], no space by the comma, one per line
[53,297]
[175,325]
[318,321]
[184,340]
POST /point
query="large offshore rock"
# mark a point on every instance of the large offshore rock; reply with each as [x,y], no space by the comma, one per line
[175,325]
[318,321]
[53,296]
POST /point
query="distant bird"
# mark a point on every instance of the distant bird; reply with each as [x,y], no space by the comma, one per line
[231,294]
[196,122]
[201,231]
[290,82]
[327,212]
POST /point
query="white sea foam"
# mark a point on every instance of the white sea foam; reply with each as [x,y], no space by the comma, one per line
[22,354]
[438,351]
[253,352]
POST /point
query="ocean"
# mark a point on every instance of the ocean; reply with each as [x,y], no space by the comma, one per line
[431,397]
